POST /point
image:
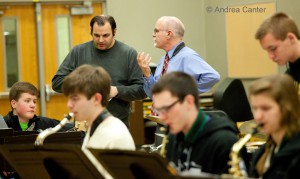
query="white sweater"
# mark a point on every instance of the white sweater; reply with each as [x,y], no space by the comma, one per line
[110,134]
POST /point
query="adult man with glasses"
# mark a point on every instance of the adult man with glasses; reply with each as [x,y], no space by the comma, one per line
[199,142]
[168,35]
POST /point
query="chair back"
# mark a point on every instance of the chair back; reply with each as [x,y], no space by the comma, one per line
[230,97]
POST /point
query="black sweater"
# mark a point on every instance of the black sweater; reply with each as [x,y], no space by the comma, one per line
[41,123]
[285,164]
[294,70]
[210,148]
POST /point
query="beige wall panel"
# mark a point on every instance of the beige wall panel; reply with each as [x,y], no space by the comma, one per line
[246,59]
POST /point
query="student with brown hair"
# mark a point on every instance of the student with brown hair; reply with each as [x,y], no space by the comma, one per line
[23,98]
[279,36]
[198,142]
[88,89]
[276,108]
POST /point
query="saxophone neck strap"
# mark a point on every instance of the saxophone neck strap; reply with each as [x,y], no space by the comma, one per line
[102,116]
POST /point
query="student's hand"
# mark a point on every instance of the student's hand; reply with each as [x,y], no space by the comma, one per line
[113,92]
[144,61]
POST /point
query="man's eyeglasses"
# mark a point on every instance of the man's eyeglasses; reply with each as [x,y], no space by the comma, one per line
[165,109]
[155,31]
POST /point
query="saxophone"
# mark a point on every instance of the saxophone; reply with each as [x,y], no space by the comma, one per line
[163,150]
[42,136]
[234,162]
[165,141]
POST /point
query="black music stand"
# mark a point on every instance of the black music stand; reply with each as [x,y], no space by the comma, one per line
[136,164]
[6,132]
[49,161]
[132,164]
[3,134]
[28,137]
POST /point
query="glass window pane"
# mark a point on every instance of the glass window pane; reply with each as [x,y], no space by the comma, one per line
[62,37]
[11,55]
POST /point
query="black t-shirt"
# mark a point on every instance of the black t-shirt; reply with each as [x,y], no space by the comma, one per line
[294,70]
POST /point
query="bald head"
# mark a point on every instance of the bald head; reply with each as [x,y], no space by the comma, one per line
[174,24]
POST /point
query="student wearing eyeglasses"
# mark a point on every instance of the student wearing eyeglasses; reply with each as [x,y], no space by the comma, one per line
[198,142]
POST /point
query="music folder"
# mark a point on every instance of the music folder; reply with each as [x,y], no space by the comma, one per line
[49,161]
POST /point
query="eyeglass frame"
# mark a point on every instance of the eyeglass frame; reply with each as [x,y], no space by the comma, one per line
[155,31]
[165,109]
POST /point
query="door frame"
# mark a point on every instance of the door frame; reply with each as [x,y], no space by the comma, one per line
[45,91]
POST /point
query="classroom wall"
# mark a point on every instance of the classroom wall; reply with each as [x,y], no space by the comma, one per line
[205,32]
[216,35]
[136,19]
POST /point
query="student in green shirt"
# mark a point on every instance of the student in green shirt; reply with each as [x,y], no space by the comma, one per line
[23,98]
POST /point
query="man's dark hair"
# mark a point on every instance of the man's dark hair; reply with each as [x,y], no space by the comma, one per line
[179,84]
[101,20]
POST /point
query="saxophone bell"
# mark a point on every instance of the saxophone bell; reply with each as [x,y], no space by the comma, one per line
[42,136]
[235,159]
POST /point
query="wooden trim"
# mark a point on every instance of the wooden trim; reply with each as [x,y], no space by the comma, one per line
[28,2]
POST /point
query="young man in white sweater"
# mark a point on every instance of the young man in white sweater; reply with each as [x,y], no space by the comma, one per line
[87,89]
